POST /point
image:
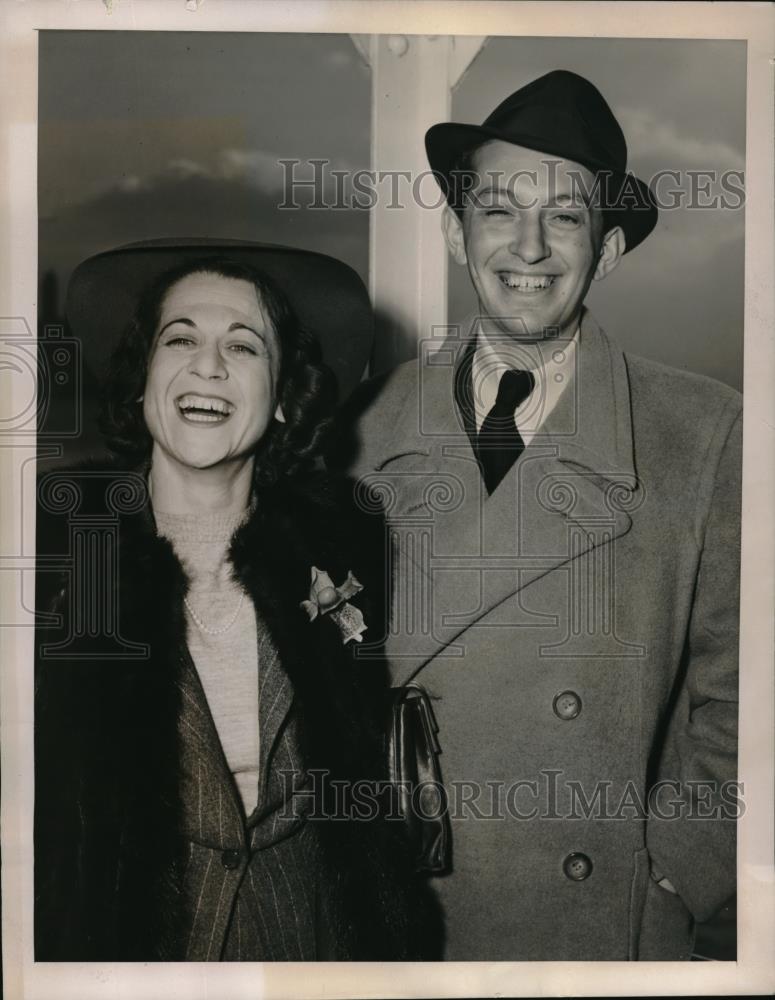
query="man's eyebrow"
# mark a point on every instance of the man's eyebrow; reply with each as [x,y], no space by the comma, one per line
[480,196]
[491,189]
[577,201]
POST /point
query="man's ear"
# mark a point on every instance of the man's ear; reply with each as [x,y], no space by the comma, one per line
[278,414]
[452,227]
[611,251]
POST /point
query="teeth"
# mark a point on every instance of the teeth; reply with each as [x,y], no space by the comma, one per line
[203,418]
[525,283]
[207,407]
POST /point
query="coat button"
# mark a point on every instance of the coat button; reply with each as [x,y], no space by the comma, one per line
[231,859]
[567,705]
[577,867]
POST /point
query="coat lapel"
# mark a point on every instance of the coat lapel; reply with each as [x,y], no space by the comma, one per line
[462,553]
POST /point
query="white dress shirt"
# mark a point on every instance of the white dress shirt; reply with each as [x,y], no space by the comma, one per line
[552,363]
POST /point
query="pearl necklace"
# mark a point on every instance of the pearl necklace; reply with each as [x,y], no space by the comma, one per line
[206,628]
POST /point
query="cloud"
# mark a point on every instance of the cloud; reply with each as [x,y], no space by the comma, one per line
[661,143]
[130,183]
[193,205]
[183,168]
[256,168]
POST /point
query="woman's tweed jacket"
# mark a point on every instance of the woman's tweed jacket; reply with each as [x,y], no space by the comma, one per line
[140,857]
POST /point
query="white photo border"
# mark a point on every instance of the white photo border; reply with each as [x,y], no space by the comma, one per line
[754,971]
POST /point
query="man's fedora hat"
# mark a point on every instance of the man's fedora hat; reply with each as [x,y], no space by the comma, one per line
[565,116]
[328,297]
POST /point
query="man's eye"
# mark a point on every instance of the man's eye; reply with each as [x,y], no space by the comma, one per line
[566,218]
[490,212]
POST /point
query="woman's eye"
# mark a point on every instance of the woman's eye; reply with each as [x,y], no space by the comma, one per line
[243,348]
[178,341]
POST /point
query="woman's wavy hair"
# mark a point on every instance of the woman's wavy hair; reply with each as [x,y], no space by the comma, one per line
[306,387]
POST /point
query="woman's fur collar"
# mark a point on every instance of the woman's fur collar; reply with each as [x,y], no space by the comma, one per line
[106,752]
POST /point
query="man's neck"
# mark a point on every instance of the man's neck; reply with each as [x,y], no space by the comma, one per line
[529,354]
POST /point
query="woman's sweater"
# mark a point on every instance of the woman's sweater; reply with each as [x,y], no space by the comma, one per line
[227,661]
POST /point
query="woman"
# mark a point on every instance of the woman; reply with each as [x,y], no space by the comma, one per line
[196,788]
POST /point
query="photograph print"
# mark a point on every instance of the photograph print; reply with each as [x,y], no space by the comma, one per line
[388,505]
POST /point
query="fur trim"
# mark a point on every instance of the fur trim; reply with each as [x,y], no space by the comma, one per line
[106,753]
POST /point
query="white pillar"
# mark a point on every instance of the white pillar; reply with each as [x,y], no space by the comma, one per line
[412,80]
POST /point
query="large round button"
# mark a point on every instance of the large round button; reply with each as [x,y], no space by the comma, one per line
[577,867]
[567,705]
[231,858]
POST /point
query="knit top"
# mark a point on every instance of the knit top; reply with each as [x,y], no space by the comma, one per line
[227,662]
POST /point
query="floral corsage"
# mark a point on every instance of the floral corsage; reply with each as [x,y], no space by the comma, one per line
[326,599]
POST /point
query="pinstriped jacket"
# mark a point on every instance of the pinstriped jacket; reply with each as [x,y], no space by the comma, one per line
[141,845]
[250,886]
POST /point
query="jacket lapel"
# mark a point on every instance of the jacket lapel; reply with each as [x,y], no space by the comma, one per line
[217,817]
[275,696]
[462,553]
[212,812]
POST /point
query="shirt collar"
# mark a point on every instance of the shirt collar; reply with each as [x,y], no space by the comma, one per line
[552,363]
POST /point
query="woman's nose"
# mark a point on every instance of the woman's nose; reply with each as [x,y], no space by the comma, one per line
[208,363]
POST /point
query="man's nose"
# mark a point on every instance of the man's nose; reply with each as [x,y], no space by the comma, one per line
[208,363]
[528,240]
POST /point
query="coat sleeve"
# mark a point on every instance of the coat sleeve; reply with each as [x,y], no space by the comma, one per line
[57,824]
[691,828]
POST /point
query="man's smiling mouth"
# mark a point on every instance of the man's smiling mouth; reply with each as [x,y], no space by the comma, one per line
[524,282]
[204,409]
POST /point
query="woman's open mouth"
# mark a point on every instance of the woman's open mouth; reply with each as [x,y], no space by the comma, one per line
[204,409]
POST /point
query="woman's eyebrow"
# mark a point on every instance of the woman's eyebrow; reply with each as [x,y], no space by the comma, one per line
[244,326]
[190,323]
[179,319]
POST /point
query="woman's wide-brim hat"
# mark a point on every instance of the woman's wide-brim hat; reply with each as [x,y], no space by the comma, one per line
[327,295]
[565,116]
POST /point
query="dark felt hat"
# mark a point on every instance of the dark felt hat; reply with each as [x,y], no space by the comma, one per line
[565,116]
[327,295]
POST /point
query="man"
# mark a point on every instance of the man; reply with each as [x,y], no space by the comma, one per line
[565,521]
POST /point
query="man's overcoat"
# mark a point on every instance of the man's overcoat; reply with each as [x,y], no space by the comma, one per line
[577,631]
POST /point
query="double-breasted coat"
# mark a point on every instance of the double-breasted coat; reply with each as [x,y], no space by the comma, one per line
[577,632]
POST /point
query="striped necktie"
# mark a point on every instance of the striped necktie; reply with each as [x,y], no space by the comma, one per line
[499,442]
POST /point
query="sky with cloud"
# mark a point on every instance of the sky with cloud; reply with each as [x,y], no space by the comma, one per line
[146,134]
[679,296]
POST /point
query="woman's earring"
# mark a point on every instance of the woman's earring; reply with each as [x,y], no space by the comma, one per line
[140,399]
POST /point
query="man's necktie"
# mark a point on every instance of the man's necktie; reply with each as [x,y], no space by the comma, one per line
[499,442]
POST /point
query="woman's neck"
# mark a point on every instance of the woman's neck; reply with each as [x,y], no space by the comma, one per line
[179,489]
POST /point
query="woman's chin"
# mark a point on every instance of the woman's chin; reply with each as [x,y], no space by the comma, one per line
[207,460]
